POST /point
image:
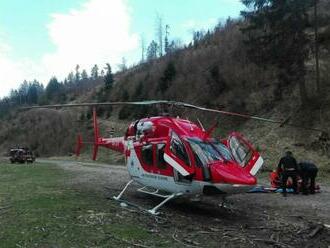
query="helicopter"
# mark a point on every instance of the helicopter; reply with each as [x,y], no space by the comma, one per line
[171,157]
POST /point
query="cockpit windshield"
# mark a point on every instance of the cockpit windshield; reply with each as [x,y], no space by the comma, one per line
[223,150]
[206,152]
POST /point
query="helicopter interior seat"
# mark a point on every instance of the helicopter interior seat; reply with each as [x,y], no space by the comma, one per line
[143,128]
[147,155]
[161,163]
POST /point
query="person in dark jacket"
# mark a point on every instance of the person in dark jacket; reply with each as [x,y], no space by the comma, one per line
[307,171]
[289,168]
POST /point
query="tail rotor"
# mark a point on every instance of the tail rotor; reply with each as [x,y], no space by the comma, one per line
[95,143]
[79,145]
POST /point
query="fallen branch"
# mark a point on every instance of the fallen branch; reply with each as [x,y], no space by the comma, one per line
[316,231]
[174,236]
[326,225]
[160,220]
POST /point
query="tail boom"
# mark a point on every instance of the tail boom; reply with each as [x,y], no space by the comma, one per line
[115,144]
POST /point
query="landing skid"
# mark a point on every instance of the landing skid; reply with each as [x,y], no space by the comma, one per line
[149,191]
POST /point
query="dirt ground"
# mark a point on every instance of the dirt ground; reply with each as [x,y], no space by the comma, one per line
[249,220]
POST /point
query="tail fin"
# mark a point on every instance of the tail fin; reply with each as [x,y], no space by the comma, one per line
[117,144]
[96,135]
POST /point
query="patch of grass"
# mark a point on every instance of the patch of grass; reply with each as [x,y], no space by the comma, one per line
[40,208]
[323,176]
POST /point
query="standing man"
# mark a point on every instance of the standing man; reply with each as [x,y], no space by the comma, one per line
[288,166]
[308,170]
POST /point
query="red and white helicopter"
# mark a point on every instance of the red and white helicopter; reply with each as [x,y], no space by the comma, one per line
[171,157]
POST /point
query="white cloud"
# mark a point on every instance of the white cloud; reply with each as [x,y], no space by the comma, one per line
[96,33]
[11,71]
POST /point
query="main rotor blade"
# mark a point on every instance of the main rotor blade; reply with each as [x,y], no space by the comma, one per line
[178,104]
[94,104]
[187,105]
[245,116]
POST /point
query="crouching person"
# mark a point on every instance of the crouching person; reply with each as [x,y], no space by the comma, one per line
[308,172]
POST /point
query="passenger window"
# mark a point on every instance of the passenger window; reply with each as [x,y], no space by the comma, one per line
[147,155]
[161,164]
[178,148]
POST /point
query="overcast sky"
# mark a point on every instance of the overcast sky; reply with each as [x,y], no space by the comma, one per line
[44,38]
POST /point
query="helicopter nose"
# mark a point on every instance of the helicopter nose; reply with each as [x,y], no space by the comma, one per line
[232,174]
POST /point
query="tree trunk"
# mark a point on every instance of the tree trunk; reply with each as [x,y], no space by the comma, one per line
[303,91]
[317,65]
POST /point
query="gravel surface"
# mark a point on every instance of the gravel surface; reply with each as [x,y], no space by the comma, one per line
[249,220]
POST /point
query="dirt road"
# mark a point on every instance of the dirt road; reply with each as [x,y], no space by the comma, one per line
[252,220]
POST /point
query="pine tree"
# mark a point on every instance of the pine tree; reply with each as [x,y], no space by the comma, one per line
[95,72]
[23,92]
[277,37]
[167,44]
[84,74]
[108,79]
[77,75]
[70,77]
[33,92]
[168,77]
[53,89]
[152,51]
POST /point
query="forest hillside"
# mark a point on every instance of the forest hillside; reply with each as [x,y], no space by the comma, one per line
[217,69]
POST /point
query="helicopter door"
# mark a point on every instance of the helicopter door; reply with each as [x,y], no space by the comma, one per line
[177,156]
[244,153]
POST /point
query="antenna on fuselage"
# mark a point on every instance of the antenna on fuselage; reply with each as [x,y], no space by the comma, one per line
[201,125]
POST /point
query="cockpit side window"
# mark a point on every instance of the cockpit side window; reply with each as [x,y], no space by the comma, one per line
[178,149]
[241,151]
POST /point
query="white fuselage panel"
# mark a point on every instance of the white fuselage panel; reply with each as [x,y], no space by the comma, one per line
[168,183]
